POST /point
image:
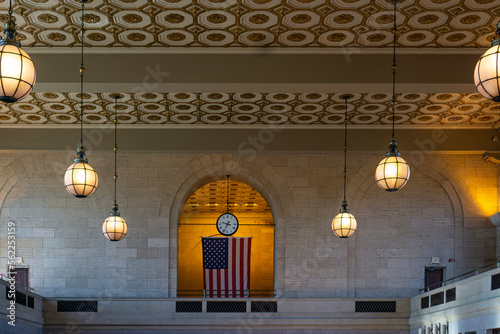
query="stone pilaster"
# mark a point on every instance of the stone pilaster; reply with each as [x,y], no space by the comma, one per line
[495,219]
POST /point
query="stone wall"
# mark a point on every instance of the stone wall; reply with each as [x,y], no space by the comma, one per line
[443,211]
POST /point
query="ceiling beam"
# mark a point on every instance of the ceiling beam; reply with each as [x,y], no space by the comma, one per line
[430,73]
[246,140]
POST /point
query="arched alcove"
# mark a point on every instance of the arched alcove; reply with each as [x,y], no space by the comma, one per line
[432,211]
[399,235]
[198,219]
[252,171]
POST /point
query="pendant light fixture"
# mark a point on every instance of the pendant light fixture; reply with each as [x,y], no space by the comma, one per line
[487,71]
[17,72]
[344,224]
[114,227]
[80,178]
[393,172]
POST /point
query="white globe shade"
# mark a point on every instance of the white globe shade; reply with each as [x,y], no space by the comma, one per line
[17,73]
[114,228]
[80,179]
[392,173]
[344,224]
[487,74]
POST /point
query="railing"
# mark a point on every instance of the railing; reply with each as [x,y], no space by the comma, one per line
[226,293]
[461,277]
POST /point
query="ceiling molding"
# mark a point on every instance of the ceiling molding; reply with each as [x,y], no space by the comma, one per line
[238,87]
[258,50]
[418,110]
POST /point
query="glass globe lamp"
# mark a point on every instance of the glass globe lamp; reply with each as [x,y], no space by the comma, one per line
[393,172]
[17,71]
[114,227]
[80,179]
[344,224]
[487,71]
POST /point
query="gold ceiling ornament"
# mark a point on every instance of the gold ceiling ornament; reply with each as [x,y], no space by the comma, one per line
[17,71]
[243,199]
[487,71]
[393,172]
[80,179]
[414,110]
[427,23]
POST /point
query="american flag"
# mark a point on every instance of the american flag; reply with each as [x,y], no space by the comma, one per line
[226,267]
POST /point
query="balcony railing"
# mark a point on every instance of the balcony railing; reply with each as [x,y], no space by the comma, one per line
[460,277]
[226,293]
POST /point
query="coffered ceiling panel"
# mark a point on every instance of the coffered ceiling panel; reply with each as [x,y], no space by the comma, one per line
[255,23]
[212,198]
[222,108]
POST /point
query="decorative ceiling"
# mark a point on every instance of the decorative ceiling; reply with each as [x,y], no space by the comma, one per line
[211,198]
[255,23]
[445,109]
[224,67]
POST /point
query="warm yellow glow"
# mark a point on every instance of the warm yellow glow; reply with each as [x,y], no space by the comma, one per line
[487,74]
[484,196]
[114,228]
[190,258]
[17,73]
[80,179]
[344,224]
[392,173]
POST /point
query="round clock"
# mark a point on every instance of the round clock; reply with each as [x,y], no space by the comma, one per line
[227,224]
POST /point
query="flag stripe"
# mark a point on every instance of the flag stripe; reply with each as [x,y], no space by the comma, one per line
[241,267]
[249,247]
[233,274]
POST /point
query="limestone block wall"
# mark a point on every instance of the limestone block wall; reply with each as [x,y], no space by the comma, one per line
[443,211]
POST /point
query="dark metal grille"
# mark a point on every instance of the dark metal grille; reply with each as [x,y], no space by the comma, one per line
[264,307]
[226,307]
[188,307]
[451,295]
[20,298]
[77,306]
[424,302]
[376,306]
[437,298]
[31,302]
[495,282]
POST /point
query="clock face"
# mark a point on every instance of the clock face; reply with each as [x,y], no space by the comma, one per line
[227,224]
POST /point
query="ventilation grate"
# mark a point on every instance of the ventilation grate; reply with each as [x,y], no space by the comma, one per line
[188,307]
[424,302]
[264,307]
[376,306]
[451,295]
[437,298]
[495,282]
[77,306]
[31,302]
[227,307]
